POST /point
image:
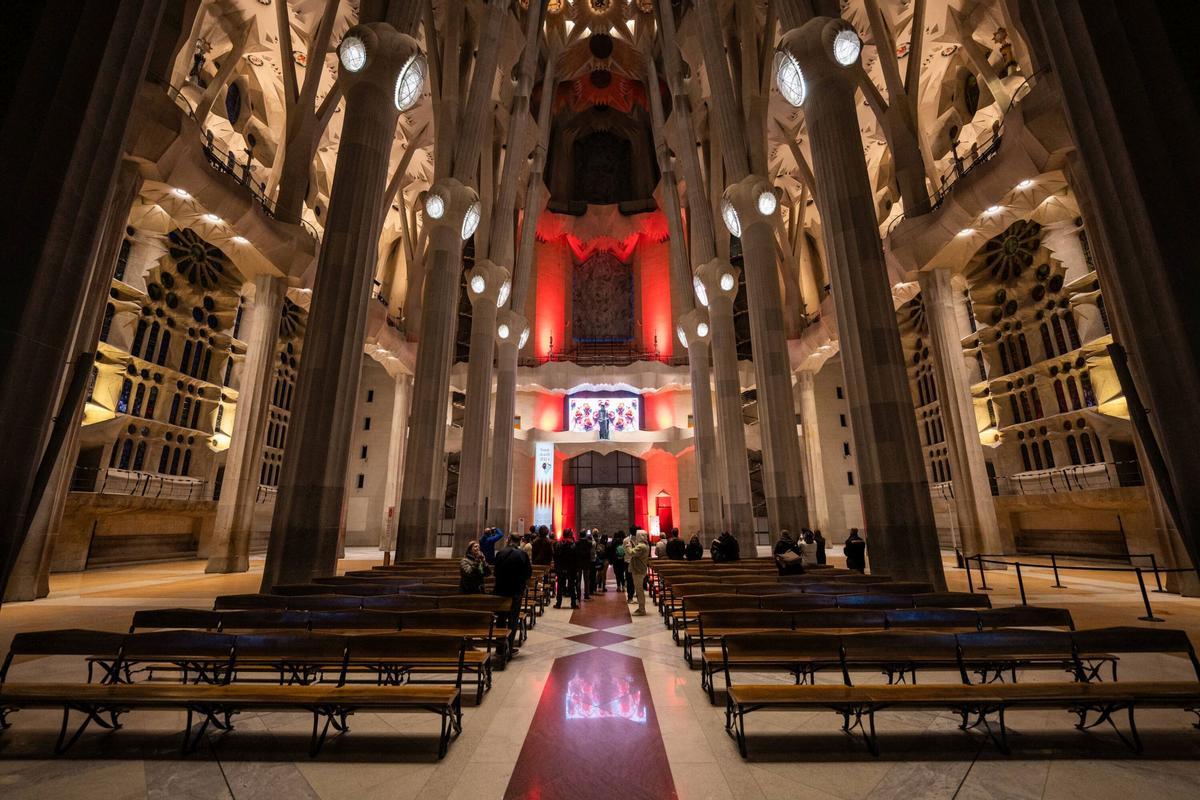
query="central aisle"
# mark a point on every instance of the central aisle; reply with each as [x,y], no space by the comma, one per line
[595,728]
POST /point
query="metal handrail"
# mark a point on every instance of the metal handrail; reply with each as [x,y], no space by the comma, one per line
[138,483]
[981,558]
[1073,478]
[227,163]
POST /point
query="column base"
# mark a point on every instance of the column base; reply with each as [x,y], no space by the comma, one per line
[228,564]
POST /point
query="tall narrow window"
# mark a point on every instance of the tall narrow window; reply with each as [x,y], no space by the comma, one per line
[1016,413]
[197,354]
[1059,339]
[1103,314]
[1025,457]
[139,395]
[1072,331]
[196,414]
[1048,452]
[139,457]
[174,415]
[162,460]
[106,326]
[123,398]
[1073,450]
[979,362]
[1037,455]
[206,365]
[139,334]
[126,453]
[1004,368]
[991,412]
[152,342]
[1037,402]
[1024,349]
[163,348]
[187,462]
[366,423]
[1073,391]
[1060,396]
[122,259]
[151,402]
[1085,383]
[187,356]
[175,462]
[1047,345]
[1089,455]
[1025,406]
[185,411]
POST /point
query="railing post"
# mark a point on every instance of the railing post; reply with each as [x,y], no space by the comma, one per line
[1157,576]
[1054,566]
[982,578]
[1021,584]
[970,583]
[1145,598]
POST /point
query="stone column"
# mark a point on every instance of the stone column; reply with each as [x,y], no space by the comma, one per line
[720,282]
[234,526]
[694,331]
[901,532]
[747,197]
[972,490]
[308,509]
[500,507]
[484,284]
[818,502]
[63,127]
[401,408]
[1121,86]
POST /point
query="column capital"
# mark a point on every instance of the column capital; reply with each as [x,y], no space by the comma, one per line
[453,205]
[488,282]
[823,47]
[715,278]
[511,328]
[693,327]
[750,200]
[375,53]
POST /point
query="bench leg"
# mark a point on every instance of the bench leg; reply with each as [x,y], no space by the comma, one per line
[335,717]
[1105,714]
[92,715]
[4,712]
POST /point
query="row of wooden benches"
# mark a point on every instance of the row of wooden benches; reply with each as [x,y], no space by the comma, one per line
[987,655]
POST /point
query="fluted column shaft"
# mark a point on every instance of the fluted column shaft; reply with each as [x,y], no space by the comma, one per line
[782,480]
[235,510]
[397,439]
[901,533]
[972,490]
[818,503]
[312,485]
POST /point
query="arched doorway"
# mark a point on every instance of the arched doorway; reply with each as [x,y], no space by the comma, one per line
[605,491]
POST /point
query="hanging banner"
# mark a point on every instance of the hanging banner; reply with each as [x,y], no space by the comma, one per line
[543,484]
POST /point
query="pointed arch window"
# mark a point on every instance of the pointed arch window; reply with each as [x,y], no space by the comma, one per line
[126,453]
[123,397]
[1047,345]
[1060,396]
[1048,452]
[1025,457]
[1073,390]
[1085,383]
[1089,455]
[139,396]
[1073,450]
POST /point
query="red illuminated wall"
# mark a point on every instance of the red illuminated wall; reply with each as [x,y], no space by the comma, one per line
[548,411]
[658,410]
[553,296]
[662,475]
[653,263]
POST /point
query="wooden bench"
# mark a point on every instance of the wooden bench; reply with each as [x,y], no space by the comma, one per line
[967,700]
[216,704]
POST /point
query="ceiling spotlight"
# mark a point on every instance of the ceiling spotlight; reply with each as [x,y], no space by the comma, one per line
[789,78]
[503,331]
[435,206]
[701,292]
[240,240]
[730,215]
[966,231]
[183,193]
[213,218]
[702,330]
[478,284]
[846,47]
[353,53]
[505,290]
[409,83]
[767,203]
[1025,184]
[993,210]
[471,220]
[727,282]
[524,338]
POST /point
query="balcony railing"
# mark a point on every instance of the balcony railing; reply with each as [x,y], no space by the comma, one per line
[135,483]
[604,354]
[1104,475]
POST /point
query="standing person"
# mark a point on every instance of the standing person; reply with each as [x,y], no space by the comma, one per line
[695,550]
[856,552]
[602,563]
[789,554]
[639,565]
[584,576]
[487,542]
[543,548]
[628,546]
[513,571]
[564,570]
[660,547]
[527,545]
[472,569]
[616,557]
[675,547]
[819,546]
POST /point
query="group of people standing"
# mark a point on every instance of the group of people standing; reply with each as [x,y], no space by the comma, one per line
[581,563]
[511,566]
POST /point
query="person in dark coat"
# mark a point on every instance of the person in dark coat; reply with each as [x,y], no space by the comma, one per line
[616,557]
[584,575]
[788,565]
[601,562]
[856,552]
[675,547]
[543,548]
[472,569]
[725,548]
[695,550]
[513,571]
[564,569]
[819,546]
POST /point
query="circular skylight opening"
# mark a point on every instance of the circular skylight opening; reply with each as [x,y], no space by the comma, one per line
[182,193]
[213,218]
[240,240]
[435,206]
[767,203]
[730,215]
[471,220]
[682,336]
[846,47]
[701,292]
[353,53]
[409,82]
[524,338]
[702,330]
[727,282]
[1025,184]
[505,290]
[789,78]
[478,284]
[503,331]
